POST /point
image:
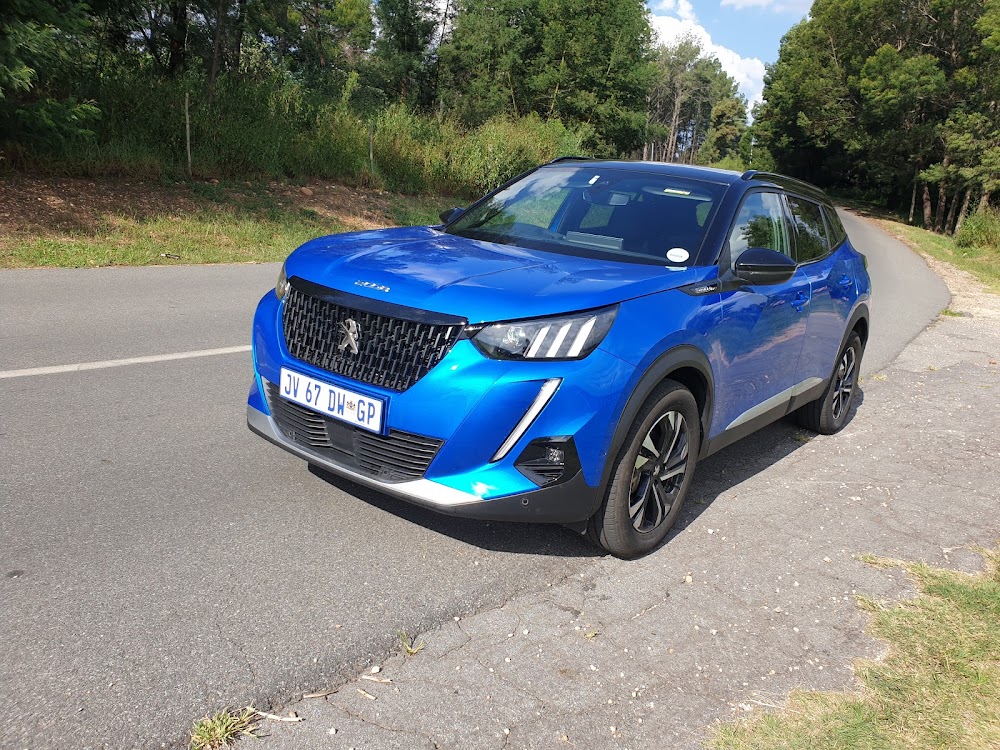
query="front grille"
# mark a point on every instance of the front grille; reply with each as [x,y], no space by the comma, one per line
[394,458]
[394,350]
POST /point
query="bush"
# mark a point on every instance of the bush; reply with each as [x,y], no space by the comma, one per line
[268,125]
[981,229]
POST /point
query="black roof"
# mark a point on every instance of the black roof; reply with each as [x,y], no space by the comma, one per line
[708,174]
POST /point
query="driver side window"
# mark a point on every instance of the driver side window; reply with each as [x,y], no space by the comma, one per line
[759,223]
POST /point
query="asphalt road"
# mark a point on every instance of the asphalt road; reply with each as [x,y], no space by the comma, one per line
[158,561]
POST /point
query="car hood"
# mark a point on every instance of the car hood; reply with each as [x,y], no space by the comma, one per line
[481,281]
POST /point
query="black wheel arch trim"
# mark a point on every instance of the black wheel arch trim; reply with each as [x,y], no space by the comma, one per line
[860,314]
[677,358]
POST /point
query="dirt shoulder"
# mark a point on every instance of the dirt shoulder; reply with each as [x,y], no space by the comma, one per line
[85,222]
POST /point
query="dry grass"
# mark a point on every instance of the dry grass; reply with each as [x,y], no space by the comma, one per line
[939,686]
[223,729]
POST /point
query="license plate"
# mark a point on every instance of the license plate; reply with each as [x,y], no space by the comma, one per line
[333,401]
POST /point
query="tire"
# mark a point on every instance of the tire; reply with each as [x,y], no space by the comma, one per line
[831,411]
[651,474]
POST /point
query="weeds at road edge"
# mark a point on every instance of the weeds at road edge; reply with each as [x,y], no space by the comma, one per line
[223,729]
[938,687]
[408,646]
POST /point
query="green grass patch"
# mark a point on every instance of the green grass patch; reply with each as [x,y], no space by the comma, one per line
[982,261]
[201,237]
[223,729]
[229,222]
[939,687]
[415,210]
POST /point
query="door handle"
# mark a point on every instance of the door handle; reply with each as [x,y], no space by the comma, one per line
[800,301]
[846,281]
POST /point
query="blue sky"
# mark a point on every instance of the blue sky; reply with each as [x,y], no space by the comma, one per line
[743,34]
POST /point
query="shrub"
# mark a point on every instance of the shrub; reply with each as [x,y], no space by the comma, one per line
[981,229]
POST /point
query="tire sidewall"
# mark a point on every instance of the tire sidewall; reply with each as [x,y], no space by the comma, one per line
[613,525]
[830,423]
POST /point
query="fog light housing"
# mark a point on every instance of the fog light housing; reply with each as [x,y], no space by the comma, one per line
[548,461]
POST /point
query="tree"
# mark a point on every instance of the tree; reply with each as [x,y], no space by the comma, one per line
[406,29]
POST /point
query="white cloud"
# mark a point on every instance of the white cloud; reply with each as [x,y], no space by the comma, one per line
[748,72]
[778,6]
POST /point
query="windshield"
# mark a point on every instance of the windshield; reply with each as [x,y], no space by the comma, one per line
[634,216]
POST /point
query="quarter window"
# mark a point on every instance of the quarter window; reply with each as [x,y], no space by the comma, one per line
[759,223]
[837,232]
[810,232]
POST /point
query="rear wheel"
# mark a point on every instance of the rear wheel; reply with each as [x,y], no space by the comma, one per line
[651,474]
[829,413]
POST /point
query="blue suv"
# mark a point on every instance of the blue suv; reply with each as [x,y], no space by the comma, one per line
[567,348]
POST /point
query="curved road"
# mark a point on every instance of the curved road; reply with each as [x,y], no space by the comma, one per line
[158,561]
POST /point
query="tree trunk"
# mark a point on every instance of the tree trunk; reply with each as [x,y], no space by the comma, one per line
[941,200]
[675,118]
[913,196]
[319,34]
[241,22]
[213,69]
[178,37]
[950,221]
[984,201]
[964,212]
[928,211]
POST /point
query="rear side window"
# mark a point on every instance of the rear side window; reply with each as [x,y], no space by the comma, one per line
[811,241]
[759,223]
[837,232]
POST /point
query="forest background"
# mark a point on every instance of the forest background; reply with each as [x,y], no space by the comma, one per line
[895,101]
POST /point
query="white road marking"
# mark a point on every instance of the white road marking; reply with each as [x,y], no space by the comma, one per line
[4,374]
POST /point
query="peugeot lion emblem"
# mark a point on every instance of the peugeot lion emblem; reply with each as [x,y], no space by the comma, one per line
[350,340]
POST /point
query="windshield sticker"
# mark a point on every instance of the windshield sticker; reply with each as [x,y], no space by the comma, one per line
[594,179]
[675,191]
[678,254]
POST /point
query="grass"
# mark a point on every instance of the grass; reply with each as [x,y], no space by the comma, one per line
[983,262]
[229,224]
[223,729]
[202,237]
[409,647]
[939,686]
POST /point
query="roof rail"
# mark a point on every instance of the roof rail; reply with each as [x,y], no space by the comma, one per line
[569,158]
[753,174]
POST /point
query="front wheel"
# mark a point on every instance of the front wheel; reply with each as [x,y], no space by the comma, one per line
[829,413]
[651,474]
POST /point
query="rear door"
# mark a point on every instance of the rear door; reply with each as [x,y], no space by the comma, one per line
[763,326]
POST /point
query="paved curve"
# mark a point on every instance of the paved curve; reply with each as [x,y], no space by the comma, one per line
[156,560]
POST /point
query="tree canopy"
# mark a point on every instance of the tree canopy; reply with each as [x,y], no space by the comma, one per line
[895,99]
[112,72]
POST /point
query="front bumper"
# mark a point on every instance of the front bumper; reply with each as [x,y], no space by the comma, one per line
[562,503]
[470,405]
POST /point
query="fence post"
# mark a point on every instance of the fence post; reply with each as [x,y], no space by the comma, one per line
[371,147]
[187,127]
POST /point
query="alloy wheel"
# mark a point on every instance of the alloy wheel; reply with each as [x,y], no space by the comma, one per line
[844,384]
[659,471]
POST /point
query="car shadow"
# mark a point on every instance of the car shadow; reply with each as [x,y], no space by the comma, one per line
[714,476]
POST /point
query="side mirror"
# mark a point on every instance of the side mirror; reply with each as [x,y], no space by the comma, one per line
[760,265]
[449,215]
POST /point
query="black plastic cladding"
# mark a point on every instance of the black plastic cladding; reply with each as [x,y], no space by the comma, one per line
[398,457]
[394,353]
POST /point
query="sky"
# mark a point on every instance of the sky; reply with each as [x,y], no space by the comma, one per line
[743,34]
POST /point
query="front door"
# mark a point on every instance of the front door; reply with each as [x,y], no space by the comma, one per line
[763,326]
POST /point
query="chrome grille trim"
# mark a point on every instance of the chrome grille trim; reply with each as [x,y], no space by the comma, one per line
[395,349]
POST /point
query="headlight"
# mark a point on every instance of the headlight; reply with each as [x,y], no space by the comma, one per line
[281,289]
[566,337]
